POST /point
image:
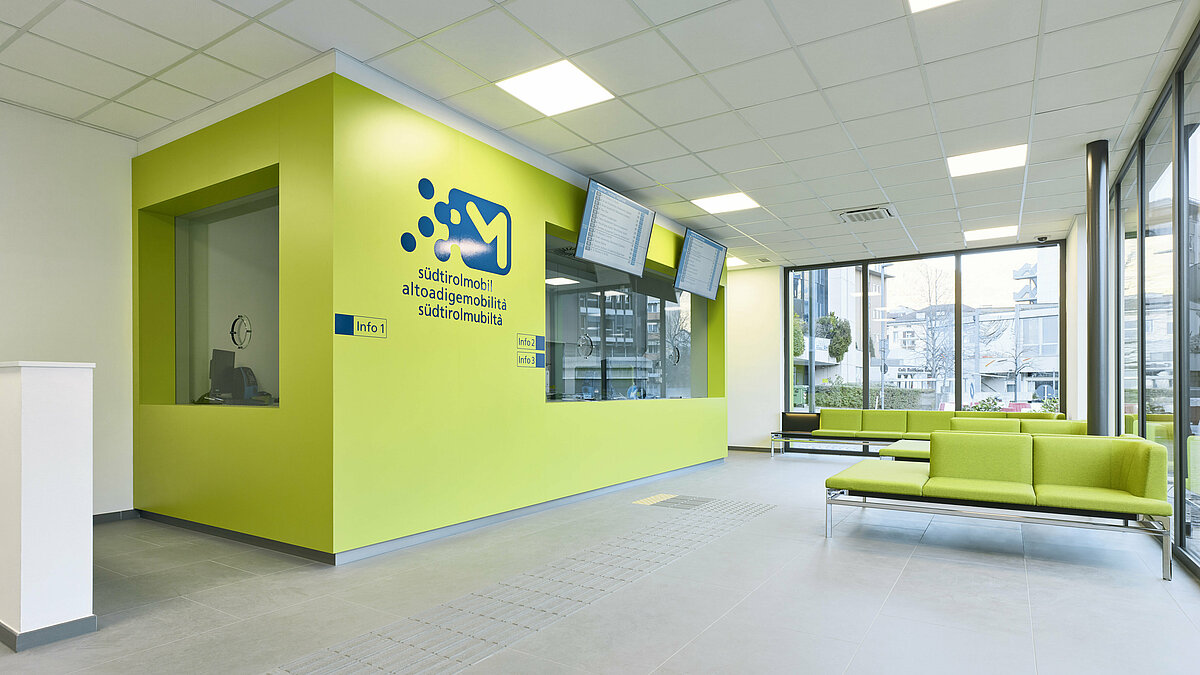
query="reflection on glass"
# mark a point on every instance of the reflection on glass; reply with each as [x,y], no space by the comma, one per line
[1010,330]
[1192,295]
[836,336]
[912,334]
[799,340]
[1131,334]
[1158,188]
[612,336]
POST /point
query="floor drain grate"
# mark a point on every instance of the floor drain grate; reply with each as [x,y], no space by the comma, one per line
[464,631]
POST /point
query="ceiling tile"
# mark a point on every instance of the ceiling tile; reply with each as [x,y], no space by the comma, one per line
[734,32]
[960,28]
[698,188]
[711,132]
[1094,84]
[991,106]
[1065,147]
[493,106]
[797,113]
[645,147]
[6,31]
[878,95]
[164,100]
[20,12]
[546,136]
[89,30]
[836,185]
[575,25]
[911,207]
[773,239]
[902,152]
[986,136]
[261,51]
[1107,41]
[421,17]
[625,178]
[675,169]
[340,24]
[811,143]
[802,207]
[763,176]
[677,102]
[125,120]
[809,21]
[938,219]
[780,194]
[836,164]
[911,173]
[493,45]
[604,121]
[36,92]
[1061,186]
[633,64]
[981,71]
[250,7]
[771,77]
[1000,195]
[710,224]
[1083,118]
[679,210]
[989,180]
[52,61]
[652,196]
[661,11]
[817,224]
[1056,202]
[868,52]
[737,157]
[209,78]
[589,160]
[1000,210]
[926,188]
[420,66]
[758,219]
[195,23]
[895,126]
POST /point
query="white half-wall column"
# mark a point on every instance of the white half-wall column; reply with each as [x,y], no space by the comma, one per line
[45,502]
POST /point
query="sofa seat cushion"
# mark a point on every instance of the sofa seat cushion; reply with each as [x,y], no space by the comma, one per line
[891,435]
[916,435]
[834,433]
[907,449]
[988,424]
[1098,499]
[980,490]
[879,475]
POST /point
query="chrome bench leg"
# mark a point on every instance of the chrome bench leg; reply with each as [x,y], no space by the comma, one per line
[1166,546]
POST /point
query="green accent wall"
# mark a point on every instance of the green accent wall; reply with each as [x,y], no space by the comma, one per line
[379,438]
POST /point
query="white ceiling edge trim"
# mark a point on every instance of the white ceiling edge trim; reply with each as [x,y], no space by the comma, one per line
[334,61]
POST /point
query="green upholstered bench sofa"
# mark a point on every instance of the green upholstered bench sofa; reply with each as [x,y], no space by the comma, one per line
[1021,477]
[1036,427]
[864,427]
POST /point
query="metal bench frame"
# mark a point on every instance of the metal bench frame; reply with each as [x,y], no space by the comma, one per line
[1158,526]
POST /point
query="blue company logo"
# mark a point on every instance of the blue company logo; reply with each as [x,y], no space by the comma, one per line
[482,230]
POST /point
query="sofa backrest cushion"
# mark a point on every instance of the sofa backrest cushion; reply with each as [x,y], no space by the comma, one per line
[1131,464]
[980,413]
[799,422]
[885,420]
[997,425]
[840,418]
[926,421]
[1035,416]
[1067,427]
[1007,457]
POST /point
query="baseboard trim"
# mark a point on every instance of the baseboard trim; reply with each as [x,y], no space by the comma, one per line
[114,516]
[399,543]
[748,448]
[44,636]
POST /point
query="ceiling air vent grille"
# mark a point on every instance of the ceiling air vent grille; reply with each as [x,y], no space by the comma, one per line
[764,260]
[866,215]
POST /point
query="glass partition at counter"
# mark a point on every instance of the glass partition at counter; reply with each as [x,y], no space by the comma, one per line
[227,303]
[614,336]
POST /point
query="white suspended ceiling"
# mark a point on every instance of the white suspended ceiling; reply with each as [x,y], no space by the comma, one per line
[808,106]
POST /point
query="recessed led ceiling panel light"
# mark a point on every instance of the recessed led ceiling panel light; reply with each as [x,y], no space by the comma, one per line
[990,233]
[734,261]
[922,5]
[555,88]
[988,160]
[736,201]
[560,281]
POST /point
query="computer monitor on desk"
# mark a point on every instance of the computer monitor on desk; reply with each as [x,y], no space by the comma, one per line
[220,373]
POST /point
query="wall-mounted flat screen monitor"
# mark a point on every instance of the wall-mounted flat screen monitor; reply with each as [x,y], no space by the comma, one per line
[700,265]
[615,231]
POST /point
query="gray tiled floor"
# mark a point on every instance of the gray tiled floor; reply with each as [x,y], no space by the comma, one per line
[890,593]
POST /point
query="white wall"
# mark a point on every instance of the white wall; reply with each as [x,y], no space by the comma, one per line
[66,271]
[754,354]
[1076,317]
